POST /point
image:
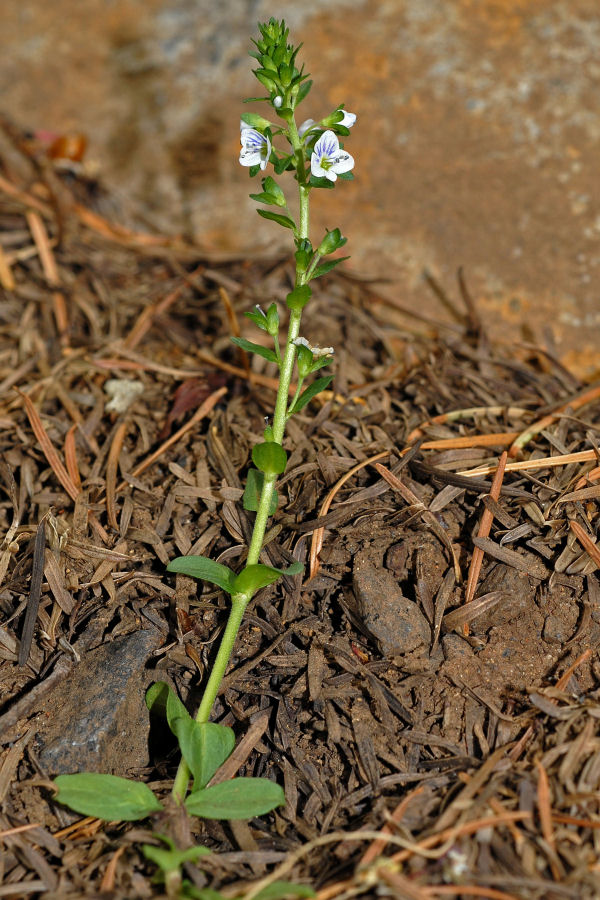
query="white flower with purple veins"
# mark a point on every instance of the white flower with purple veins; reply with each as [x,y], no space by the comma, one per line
[328,159]
[256,148]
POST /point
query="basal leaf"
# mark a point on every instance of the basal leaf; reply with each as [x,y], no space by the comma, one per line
[106,796]
[240,798]
[205,746]
[205,569]
[161,699]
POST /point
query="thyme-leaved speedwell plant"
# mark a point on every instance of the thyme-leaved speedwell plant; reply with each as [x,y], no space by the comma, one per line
[314,154]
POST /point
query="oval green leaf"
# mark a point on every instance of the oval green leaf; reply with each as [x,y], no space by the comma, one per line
[253,578]
[269,457]
[240,798]
[204,746]
[205,569]
[106,796]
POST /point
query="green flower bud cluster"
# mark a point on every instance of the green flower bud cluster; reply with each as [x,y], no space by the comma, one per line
[277,71]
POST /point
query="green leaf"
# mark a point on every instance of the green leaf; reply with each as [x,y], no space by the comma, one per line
[240,798]
[319,363]
[262,76]
[161,699]
[205,569]
[253,578]
[205,746]
[254,486]
[326,267]
[322,182]
[346,176]
[277,217]
[304,89]
[311,391]
[271,187]
[299,297]
[269,199]
[258,317]
[170,859]
[253,120]
[283,164]
[249,347]
[106,796]
[282,890]
[269,457]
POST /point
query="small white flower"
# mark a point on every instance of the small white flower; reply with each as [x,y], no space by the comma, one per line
[256,148]
[317,352]
[305,126]
[328,159]
[348,120]
[278,102]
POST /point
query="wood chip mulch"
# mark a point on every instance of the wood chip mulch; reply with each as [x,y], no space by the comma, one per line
[427,692]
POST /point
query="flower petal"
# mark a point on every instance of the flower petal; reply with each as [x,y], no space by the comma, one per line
[343,163]
[348,120]
[302,129]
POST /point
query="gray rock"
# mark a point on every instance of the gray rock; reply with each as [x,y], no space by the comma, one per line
[394,622]
[96,719]
[455,647]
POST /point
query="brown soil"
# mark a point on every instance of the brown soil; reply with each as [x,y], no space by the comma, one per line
[465,732]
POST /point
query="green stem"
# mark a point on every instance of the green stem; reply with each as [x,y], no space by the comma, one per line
[240,601]
[238,605]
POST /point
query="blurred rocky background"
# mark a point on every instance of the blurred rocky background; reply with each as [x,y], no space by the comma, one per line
[476,145]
